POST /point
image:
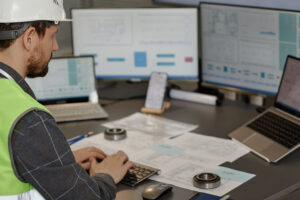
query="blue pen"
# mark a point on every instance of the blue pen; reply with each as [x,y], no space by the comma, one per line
[80,137]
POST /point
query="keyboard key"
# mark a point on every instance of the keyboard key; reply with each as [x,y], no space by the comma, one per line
[278,129]
[138,174]
[76,111]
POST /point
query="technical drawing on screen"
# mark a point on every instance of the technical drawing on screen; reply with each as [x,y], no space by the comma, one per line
[131,43]
[246,47]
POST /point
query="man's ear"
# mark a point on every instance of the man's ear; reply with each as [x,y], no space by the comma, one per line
[30,38]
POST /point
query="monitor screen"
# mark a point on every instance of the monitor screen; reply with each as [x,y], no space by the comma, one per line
[67,78]
[131,43]
[246,47]
[289,93]
[281,4]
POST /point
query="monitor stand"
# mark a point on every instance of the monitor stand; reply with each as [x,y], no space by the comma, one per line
[211,91]
[121,90]
[105,84]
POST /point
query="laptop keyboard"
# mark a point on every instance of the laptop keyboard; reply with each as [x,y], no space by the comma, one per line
[278,129]
[77,111]
[138,174]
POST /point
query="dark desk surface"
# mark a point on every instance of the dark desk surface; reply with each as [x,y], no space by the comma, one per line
[213,121]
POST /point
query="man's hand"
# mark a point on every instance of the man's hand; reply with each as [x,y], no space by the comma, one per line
[82,156]
[115,165]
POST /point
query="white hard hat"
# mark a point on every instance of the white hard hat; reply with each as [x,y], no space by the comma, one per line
[12,11]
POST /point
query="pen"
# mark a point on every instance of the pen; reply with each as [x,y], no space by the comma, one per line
[225,197]
[80,137]
[175,136]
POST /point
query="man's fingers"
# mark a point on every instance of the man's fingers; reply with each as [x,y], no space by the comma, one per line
[122,156]
[86,165]
[129,165]
[95,155]
[94,149]
[92,161]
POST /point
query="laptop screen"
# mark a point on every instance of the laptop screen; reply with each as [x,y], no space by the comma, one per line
[288,97]
[68,78]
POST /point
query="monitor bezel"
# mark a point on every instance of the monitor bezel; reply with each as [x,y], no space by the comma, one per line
[176,3]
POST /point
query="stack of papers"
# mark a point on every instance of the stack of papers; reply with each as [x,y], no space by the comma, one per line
[157,126]
[180,158]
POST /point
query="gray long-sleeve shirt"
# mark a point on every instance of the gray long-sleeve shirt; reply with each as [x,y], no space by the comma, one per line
[43,158]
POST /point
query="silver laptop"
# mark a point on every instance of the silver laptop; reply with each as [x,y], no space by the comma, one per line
[276,132]
[69,89]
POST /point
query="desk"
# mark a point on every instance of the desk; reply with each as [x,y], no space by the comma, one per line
[213,121]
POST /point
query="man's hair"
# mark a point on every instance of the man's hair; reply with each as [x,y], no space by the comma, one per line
[40,27]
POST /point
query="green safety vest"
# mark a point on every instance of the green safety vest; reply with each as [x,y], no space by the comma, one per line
[14,104]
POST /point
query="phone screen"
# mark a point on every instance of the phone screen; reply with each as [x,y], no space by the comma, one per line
[156,90]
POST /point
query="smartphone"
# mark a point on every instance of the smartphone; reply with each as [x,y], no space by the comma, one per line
[156,90]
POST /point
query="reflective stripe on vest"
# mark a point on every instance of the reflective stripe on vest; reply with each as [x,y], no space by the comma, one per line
[31,195]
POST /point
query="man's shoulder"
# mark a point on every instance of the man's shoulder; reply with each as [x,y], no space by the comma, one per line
[36,115]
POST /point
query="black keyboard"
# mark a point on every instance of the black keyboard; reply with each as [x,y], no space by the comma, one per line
[278,129]
[138,174]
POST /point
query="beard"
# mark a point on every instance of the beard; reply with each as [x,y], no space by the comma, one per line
[37,67]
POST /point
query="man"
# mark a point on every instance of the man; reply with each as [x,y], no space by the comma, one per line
[35,160]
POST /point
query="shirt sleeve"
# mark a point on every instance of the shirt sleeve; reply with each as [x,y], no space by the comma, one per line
[43,158]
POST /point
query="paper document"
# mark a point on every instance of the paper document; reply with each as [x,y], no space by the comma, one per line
[217,149]
[134,143]
[189,154]
[180,158]
[158,126]
[181,173]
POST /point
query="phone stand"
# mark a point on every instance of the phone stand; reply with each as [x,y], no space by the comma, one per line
[165,106]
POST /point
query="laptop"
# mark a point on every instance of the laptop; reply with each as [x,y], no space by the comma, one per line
[69,89]
[276,132]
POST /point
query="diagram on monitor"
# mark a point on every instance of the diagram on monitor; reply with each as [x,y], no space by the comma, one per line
[246,48]
[131,43]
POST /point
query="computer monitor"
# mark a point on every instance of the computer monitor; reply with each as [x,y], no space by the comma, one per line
[131,43]
[68,78]
[246,47]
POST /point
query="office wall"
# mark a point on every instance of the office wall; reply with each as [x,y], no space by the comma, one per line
[64,35]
